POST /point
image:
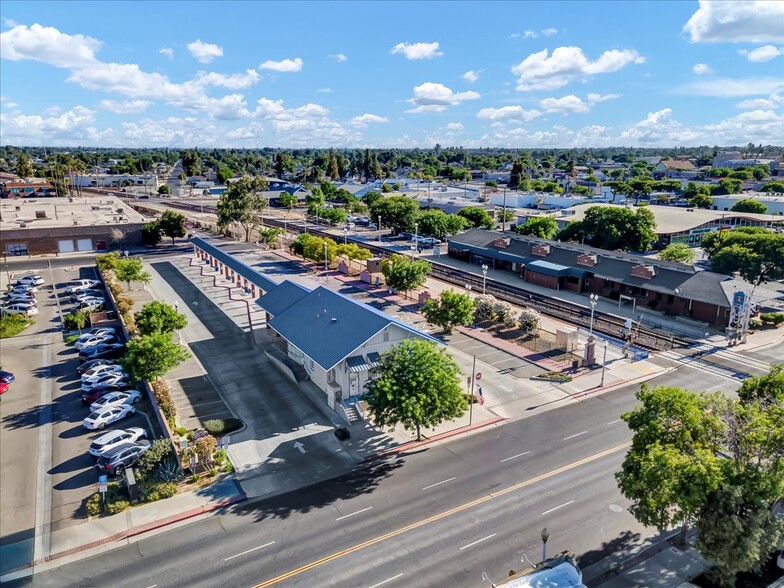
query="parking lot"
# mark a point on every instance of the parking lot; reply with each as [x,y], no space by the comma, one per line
[42,440]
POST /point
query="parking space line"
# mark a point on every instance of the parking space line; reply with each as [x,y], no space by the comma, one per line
[557,507]
[353,513]
[203,403]
[249,551]
[477,541]
[438,483]
[515,456]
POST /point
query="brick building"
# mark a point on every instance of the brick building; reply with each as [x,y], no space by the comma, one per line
[33,226]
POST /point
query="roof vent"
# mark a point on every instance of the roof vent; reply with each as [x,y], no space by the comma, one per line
[334,320]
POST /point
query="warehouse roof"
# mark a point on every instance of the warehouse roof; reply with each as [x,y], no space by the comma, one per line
[38,213]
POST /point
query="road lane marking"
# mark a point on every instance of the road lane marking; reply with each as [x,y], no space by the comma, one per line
[438,483]
[477,541]
[557,507]
[615,421]
[442,515]
[353,513]
[575,435]
[385,581]
[250,550]
[515,456]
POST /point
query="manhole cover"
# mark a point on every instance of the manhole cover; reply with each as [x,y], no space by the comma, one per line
[616,508]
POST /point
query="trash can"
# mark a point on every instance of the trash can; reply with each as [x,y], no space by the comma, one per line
[342,433]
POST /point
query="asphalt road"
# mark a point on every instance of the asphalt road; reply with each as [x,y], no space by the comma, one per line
[438,516]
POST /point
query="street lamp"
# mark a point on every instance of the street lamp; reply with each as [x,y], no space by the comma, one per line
[484,279]
[177,309]
[345,236]
[545,536]
[594,298]
[604,363]
[325,257]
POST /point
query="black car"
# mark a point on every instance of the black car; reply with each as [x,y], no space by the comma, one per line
[102,390]
[102,351]
[94,363]
[124,456]
[406,236]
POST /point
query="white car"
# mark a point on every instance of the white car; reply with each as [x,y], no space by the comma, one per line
[33,280]
[108,441]
[82,294]
[92,304]
[20,308]
[97,331]
[82,285]
[106,379]
[19,297]
[107,416]
[23,289]
[112,368]
[94,340]
[116,399]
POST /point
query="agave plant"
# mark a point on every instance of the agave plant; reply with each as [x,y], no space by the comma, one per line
[169,470]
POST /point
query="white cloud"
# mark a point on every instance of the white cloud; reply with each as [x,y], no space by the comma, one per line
[417,50]
[771,103]
[760,126]
[204,52]
[542,71]
[48,45]
[729,87]
[701,69]
[7,102]
[305,126]
[529,34]
[167,51]
[433,97]
[517,113]
[602,97]
[339,57]
[471,76]
[283,66]
[363,120]
[454,126]
[325,90]
[737,21]
[549,32]
[27,129]
[237,81]
[125,106]
[658,129]
[762,54]
[567,105]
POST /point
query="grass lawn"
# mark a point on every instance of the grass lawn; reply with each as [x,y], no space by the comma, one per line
[13,324]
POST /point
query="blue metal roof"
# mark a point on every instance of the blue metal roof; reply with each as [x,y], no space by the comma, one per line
[282,296]
[244,270]
[547,268]
[328,326]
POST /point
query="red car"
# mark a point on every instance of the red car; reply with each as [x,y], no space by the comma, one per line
[3,387]
[99,391]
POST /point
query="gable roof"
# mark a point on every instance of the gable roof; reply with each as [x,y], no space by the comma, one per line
[281,297]
[684,165]
[328,326]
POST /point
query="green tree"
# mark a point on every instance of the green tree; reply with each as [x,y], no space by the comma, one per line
[477,216]
[400,213]
[269,236]
[158,317]
[223,174]
[516,175]
[242,204]
[164,189]
[544,227]
[677,252]
[504,215]
[774,186]
[23,168]
[619,228]
[700,201]
[150,357]
[288,200]
[298,244]
[282,164]
[316,201]
[417,385]
[456,224]
[404,274]
[764,390]
[151,233]
[451,309]
[749,205]
[172,224]
[335,216]
[131,270]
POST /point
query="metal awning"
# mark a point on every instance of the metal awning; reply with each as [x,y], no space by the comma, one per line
[374,359]
[357,363]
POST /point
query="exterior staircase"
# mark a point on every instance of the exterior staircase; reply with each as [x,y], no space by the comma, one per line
[352,413]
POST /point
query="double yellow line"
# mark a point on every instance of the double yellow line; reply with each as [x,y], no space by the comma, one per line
[442,515]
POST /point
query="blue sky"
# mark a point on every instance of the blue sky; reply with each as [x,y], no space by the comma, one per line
[392,74]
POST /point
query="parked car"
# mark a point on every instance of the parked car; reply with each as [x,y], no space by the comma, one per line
[123,456]
[96,331]
[110,378]
[82,294]
[103,390]
[111,440]
[102,369]
[406,236]
[88,365]
[34,280]
[116,399]
[23,289]
[20,308]
[6,377]
[94,340]
[429,241]
[91,304]
[80,285]
[103,351]
[99,420]
[19,297]
[3,387]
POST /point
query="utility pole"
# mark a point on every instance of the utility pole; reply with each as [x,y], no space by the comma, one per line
[471,399]
[503,218]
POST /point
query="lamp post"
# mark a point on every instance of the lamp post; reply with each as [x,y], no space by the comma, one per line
[325,258]
[545,536]
[345,236]
[604,363]
[594,298]
[484,279]
[177,309]
[415,244]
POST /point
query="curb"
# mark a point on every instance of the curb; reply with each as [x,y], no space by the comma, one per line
[445,435]
[133,532]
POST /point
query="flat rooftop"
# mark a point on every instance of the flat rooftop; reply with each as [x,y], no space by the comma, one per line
[41,213]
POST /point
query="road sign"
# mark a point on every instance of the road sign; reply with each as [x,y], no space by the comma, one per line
[103,479]
[478,376]
[101,488]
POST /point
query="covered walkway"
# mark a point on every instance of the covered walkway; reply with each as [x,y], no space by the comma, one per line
[235,271]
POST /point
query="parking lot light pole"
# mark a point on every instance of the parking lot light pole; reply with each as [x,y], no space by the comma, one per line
[545,536]
[594,298]
[484,279]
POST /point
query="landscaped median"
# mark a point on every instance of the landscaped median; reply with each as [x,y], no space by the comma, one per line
[184,459]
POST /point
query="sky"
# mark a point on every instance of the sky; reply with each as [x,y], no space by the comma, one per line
[392,74]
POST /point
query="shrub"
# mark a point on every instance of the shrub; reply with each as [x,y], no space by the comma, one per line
[163,397]
[71,338]
[557,376]
[13,324]
[94,505]
[528,320]
[169,470]
[205,449]
[152,458]
[775,318]
[221,427]
[755,323]
[124,304]
[107,261]
[484,307]
[117,506]
[77,319]
[181,431]
[159,491]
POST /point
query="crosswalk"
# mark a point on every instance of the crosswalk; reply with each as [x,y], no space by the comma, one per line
[718,360]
